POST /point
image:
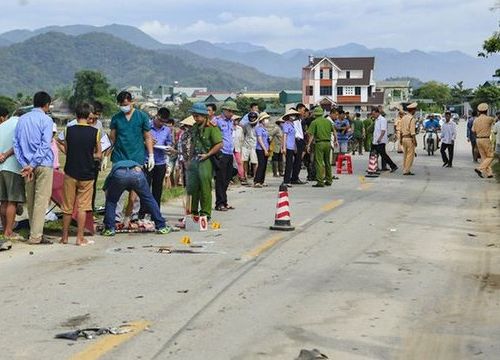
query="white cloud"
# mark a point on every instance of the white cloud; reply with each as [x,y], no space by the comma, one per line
[272,31]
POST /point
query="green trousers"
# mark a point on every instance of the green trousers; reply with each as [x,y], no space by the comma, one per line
[368,142]
[199,187]
[322,161]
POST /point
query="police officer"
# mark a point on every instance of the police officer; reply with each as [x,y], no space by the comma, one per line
[482,129]
[320,131]
[206,142]
[408,138]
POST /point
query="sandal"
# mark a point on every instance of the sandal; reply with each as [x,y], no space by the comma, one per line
[42,241]
[14,237]
[220,208]
[87,242]
[229,207]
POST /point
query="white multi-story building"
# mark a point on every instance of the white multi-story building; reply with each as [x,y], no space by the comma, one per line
[341,82]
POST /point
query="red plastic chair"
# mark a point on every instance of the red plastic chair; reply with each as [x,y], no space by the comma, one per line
[340,164]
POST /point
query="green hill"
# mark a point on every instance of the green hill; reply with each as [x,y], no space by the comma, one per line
[50,60]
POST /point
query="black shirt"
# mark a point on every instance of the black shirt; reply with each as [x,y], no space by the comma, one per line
[81,141]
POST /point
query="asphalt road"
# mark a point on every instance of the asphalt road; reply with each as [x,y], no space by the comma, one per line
[390,268]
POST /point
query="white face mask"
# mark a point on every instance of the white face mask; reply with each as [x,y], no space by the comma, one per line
[126,109]
[266,121]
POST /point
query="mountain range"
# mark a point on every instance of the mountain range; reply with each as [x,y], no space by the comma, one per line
[220,66]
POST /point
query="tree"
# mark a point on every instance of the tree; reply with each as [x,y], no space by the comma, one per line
[459,94]
[7,103]
[90,86]
[243,104]
[492,44]
[487,94]
[440,93]
[182,111]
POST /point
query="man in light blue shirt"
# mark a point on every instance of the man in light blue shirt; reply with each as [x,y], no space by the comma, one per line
[32,147]
[224,173]
[11,182]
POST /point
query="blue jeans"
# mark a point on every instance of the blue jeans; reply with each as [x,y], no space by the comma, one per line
[130,180]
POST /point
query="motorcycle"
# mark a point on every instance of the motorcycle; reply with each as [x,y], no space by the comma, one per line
[430,141]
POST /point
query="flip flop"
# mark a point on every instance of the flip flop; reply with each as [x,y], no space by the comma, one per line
[229,207]
[88,242]
[14,237]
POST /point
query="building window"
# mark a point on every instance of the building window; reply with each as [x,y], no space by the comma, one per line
[325,90]
[349,90]
[309,90]
[340,91]
[357,90]
[321,74]
[331,73]
[357,108]
[369,91]
[347,74]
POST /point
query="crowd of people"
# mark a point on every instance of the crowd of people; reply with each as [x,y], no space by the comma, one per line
[208,149]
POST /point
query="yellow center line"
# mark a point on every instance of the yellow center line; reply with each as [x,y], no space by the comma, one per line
[269,243]
[332,205]
[110,342]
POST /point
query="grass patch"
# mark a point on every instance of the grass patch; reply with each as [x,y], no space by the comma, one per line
[172,193]
[496,170]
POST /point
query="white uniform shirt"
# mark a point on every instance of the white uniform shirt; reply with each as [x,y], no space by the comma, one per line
[448,132]
[380,125]
[299,133]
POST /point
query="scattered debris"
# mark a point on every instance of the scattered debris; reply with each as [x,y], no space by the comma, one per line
[186,240]
[182,291]
[31,252]
[468,220]
[91,333]
[472,235]
[311,355]
[140,297]
[393,230]
[491,245]
[131,247]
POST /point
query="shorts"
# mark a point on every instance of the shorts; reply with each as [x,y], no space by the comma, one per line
[79,190]
[12,187]
[249,154]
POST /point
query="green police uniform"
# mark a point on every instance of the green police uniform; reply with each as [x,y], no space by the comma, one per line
[321,130]
[369,127]
[200,173]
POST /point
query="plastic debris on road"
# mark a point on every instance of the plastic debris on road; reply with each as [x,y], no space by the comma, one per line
[91,333]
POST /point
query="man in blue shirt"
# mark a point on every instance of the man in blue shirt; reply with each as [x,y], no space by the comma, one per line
[431,125]
[127,175]
[162,138]
[224,173]
[32,147]
[342,126]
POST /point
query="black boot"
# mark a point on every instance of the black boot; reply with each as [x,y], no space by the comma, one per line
[275,169]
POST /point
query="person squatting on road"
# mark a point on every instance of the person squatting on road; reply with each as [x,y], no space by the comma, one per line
[206,143]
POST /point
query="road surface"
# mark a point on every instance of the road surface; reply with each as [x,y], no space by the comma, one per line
[396,267]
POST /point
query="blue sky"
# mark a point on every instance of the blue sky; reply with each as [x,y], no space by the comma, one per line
[280,25]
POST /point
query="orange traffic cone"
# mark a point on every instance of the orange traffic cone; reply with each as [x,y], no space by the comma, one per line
[282,219]
[372,166]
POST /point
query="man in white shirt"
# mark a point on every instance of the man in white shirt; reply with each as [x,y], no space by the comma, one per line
[448,136]
[300,145]
[380,138]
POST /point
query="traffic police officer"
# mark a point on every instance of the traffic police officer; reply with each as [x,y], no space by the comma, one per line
[408,138]
[320,131]
[482,128]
